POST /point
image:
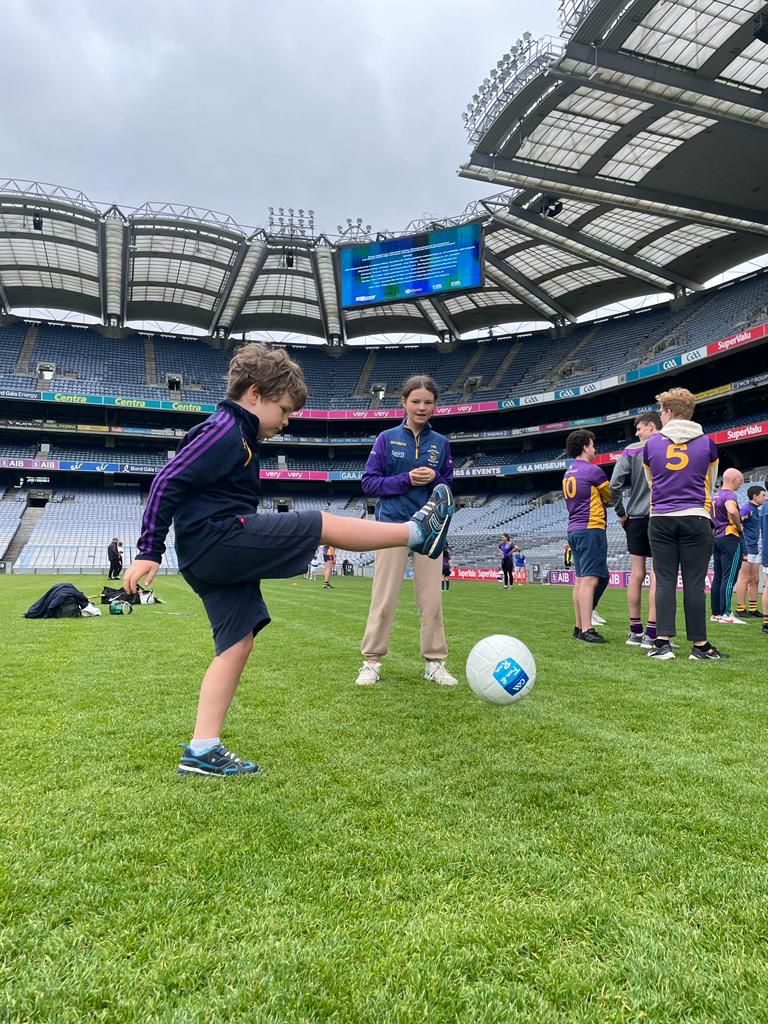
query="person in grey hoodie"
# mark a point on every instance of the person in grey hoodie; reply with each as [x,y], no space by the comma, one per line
[681,466]
[632,502]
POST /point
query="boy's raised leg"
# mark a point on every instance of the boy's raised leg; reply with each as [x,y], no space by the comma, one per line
[425,532]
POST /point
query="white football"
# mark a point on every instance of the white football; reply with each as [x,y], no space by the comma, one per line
[501,669]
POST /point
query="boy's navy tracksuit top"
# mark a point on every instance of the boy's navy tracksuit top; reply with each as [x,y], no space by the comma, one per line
[213,478]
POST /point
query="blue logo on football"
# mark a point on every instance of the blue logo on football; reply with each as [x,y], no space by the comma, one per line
[510,675]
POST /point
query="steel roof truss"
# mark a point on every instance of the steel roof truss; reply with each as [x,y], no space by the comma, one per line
[595,251]
[649,73]
[533,295]
[615,193]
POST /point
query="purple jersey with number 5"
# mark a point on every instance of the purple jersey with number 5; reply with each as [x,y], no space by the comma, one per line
[679,473]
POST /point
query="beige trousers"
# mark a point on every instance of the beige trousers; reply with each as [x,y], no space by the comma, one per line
[387,581]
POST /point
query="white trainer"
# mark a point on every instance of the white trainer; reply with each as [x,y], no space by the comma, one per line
[436,672]
[597,620]
[369,674]
[732,620]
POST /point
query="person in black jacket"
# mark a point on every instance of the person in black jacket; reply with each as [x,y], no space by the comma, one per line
[115,556]
[225,546]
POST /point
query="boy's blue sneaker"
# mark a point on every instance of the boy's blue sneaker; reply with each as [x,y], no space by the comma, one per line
[216,761]
[432,522]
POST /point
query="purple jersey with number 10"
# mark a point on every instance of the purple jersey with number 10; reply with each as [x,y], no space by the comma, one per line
[587,492]
[679,473]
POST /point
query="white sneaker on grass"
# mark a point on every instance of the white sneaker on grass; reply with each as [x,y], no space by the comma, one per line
[436,672]
[369,673]
[597,620]
[732,620]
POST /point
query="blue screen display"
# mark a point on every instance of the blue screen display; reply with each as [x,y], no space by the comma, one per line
[399,269]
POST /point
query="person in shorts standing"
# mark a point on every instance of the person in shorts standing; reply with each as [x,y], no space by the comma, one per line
[632,501]
[329,563]
[749,576]
[729,548]
[226,547]
[587,493]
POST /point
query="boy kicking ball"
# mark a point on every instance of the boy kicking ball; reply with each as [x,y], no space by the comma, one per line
[225,547]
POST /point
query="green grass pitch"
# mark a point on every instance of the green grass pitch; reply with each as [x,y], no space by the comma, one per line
[595,853]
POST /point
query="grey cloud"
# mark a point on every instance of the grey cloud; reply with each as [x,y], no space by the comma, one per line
[352,109]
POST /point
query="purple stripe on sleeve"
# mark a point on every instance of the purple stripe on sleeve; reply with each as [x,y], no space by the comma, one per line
[196,448]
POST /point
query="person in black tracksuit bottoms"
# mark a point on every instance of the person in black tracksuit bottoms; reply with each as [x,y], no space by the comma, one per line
[225,547]
[115,556]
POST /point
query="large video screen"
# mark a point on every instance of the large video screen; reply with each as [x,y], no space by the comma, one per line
[399,269]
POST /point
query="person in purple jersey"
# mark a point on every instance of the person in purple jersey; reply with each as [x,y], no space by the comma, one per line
[587,493]
[225,547]
[681,465]
[749,575]
[730,549]
[507,549]
[447,570]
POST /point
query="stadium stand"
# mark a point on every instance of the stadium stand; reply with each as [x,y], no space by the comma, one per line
[77,525]
[10,515]
[85,360]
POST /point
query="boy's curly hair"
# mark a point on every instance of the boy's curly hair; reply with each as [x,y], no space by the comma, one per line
[270,370]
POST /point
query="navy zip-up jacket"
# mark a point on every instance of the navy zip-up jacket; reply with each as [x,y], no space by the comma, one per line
[45,606]
[395,452]
[212,479]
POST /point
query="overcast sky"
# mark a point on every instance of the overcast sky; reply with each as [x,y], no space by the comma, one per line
[350,108]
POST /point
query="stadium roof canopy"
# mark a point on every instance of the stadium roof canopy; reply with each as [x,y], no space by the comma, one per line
[632,153]
[634,148]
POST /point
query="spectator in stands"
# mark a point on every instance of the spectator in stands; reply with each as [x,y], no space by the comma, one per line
[405,462]
[587,493]
[507,548]
[567,556]
[225,547]
[447,570]
[115,556]
[681,465]
[749,575]
[634,515]
[329,561]
[730,549]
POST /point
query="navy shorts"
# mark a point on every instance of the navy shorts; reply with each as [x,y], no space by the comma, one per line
[638,541]
[228,576]
[590,552]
